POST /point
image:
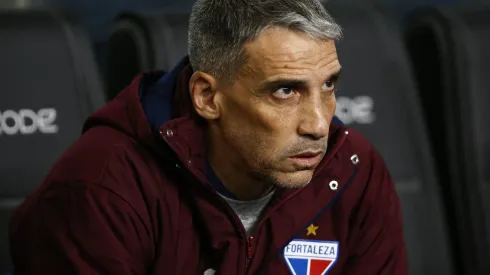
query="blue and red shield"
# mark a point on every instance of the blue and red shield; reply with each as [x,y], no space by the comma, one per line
[310,257]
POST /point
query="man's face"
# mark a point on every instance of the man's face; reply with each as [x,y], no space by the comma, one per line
[275,117]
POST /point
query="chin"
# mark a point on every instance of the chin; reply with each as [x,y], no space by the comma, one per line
[295,179]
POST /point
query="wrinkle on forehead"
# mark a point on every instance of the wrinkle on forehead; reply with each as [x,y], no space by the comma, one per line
[279,50]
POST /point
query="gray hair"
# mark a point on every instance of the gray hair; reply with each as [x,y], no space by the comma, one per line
[219,29]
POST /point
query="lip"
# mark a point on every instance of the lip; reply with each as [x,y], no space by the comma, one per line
[307,159]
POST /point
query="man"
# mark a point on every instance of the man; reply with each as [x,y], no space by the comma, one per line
[232,163]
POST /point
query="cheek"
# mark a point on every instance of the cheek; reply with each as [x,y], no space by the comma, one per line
[257,142]
[256,131]
[250,140]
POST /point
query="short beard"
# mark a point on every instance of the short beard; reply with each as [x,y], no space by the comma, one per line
[269,179]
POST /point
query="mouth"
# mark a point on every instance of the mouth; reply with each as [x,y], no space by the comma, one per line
[308,160]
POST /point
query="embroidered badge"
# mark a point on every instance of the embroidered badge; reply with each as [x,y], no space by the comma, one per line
[311,257]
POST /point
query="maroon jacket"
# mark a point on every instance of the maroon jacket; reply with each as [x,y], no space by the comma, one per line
[126,200]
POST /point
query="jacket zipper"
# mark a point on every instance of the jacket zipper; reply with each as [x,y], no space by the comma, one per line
[250,250]
[249,239]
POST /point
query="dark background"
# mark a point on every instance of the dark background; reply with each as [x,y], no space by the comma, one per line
[444,190]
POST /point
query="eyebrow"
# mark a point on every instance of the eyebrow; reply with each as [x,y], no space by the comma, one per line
[295,83]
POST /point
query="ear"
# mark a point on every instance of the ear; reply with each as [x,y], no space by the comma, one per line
[203,89]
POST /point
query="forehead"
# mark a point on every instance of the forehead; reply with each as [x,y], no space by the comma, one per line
[282,51]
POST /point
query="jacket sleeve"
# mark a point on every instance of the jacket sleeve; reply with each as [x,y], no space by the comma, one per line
[377,246]
[78,229]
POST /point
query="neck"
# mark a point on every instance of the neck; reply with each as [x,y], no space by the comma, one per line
[232,172]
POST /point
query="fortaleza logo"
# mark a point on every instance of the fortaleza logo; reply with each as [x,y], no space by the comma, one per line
[26,122]
[311,257]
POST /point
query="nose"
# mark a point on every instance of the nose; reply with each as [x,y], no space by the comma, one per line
[314,122]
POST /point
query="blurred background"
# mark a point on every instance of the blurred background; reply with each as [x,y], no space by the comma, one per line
[415,82]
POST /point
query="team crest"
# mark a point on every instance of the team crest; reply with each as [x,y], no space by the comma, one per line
[310,257]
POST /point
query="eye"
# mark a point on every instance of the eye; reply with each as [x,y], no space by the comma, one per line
[284,93]
[329,85]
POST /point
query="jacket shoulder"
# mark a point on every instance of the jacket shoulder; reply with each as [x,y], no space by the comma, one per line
[103,156]
[89,156]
